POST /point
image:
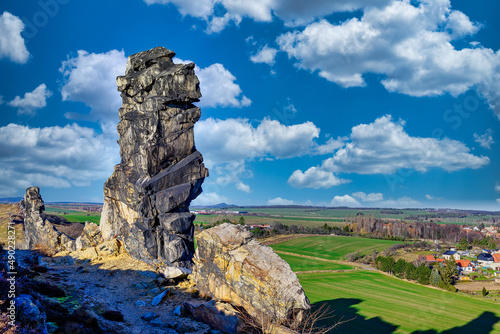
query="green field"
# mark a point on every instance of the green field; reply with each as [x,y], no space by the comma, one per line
[298,263]
[332,248]
[75,216]
[263,220]
[378,303]
[381,304]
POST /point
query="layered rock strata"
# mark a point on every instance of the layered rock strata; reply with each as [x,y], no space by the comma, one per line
[38,232]
[146,200]
[231,266]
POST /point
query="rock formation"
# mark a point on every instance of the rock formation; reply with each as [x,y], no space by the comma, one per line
[231,266]
[146,200]
[39,232]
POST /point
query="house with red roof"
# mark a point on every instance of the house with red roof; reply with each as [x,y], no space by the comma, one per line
[430,258]
[464,266]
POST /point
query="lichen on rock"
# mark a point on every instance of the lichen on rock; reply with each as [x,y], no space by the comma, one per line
[146,200]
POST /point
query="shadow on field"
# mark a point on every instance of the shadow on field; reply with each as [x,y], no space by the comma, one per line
[344,311]
[481,325]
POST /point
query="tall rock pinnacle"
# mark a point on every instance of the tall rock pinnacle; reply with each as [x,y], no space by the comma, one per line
[146,200]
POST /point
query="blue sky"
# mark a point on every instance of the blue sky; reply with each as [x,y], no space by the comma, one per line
[361,103]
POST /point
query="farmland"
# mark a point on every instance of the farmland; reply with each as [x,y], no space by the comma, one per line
[332,248]
[74,216]
[377,303]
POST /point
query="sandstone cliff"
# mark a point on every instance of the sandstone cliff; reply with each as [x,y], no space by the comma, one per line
[146,200]
[39,232]
[231,266]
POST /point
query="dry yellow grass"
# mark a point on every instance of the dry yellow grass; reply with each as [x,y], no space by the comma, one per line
[6,213]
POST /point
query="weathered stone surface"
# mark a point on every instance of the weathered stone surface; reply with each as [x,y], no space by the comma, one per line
[146,200]
[176,272]
[39,232]
[221,316]
[233,267]
[91,236]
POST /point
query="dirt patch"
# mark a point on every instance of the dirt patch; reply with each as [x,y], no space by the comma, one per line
[283,238]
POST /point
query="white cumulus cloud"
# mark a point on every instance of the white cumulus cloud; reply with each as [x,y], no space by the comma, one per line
[292,12]
[485,140]
[53,156]
[31,101]
[91,78]
[265,55]
[383,147]
[315,178]
[218,87]
[228,144]
[409,43]
[345,200]
[12,44]
[280,201]
[372,197]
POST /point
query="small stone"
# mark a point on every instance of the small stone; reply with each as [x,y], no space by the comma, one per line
[81,270]
[176,272]
[158,299]
[149,316]
[178,311]
[154,291]
[140,303]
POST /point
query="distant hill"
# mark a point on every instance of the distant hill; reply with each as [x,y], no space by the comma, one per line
[10,199]
[216,206]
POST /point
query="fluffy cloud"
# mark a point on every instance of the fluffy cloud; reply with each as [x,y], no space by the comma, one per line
[280,201]
[31,101]
[345,200]
[265,55]
[53,156]
[383,147]
[314,178]
[293,12]
[228,144]
[209,199]
[373,197]
[91,78]
[224,141]
[11,42]
[403,202]
[485,140]
[410,46]
[219,89]
[497,188]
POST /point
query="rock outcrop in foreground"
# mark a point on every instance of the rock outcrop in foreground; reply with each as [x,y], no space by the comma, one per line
[39,232]
[231,266]
[146,200]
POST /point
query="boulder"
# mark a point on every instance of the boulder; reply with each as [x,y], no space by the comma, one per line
[29,313]
[231,266]
[221,316]
[90,237]
[38,232]
[146,200]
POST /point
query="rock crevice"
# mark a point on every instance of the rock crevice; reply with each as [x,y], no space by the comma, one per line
[146,200]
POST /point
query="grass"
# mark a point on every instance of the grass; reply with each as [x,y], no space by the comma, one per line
[332,248]
[6,210]
[298,263]
[382,304]
[379,303]
[75,216]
